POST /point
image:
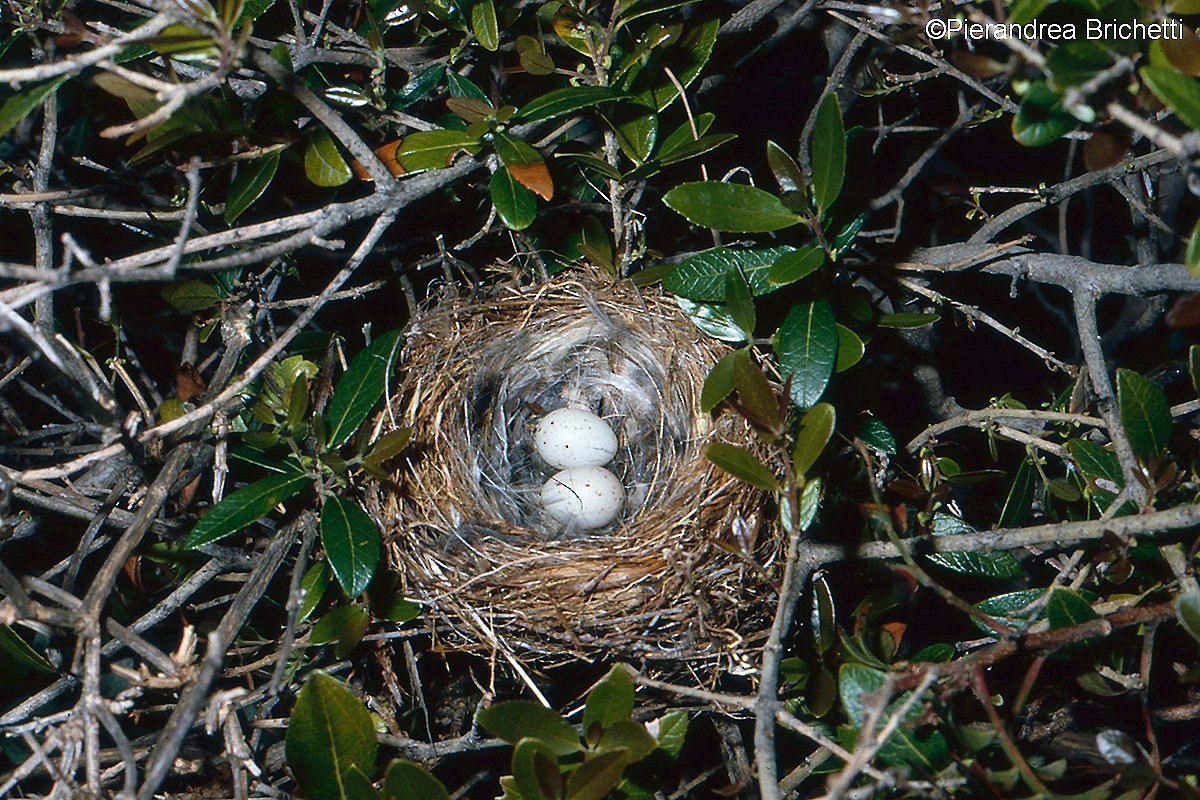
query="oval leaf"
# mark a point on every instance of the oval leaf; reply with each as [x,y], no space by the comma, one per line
[791,267]
[807,347]
[828,153]
[742,464]
[329,733]
[610,700]
[351,543]
[1145,413]
[515,719]
[1178,92]
[704,275]
[18,106]
[815,431]
[483,24]
[244,506]
[323,164]
[405,780]
[515,205]
[719,383]
[433,149]
[250,184]
[564,101]
[731,207]
[360,388]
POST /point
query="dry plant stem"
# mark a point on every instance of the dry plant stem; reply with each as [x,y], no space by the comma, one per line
[1089,341]
[69,66]
[1010,748]
[972,417]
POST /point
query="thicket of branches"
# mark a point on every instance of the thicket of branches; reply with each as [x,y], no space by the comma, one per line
[959,284]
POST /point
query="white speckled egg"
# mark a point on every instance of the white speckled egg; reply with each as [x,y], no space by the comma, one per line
[572,437]
[586,497]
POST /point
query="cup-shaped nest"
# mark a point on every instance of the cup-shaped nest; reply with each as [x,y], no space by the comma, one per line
[686,571]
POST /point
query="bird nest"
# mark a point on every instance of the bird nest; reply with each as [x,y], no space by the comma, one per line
[687,571]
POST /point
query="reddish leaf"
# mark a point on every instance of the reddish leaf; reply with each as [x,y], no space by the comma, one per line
[385,153]
[1185,313]
[1106,147]
[975,64]
[534,177]
[1184,52]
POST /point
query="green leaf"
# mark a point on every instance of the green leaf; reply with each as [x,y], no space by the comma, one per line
[1145,414]
[758,401]
[824,614]
[1066,608]
[244,506]
[720,381]
[999,565]
[21,654]
[1041,119]
[405,780]
[742,464]
[251,182]
[637,135]
[1095,462]
[1020,497]
[515,205]
[566,101]
[739,304]
[351,543]
[535,770]
[785,169]
[1178,92]
[1187,611]
[850,348]
[433,149]
[461,86]
[685,60]
[791,267]
[323,163]
[1026,10]
[876,435]
[19,105]
[1194,367]
[730,207]
[907,320]
[610,700]
[1192,254]
[314,583]
[329,733]
[484,26]
[420,86]
[694,148]
[828,153]
[191,295]
[684,136]
[1011,609]
[630,736]
[855,683]
[815,431]
[703,275]
[807,347]
[388,446]
[345,625]
[597,776]
[672,730]
[513,720]
[810,502]
[712,319]
[1075,63]
[360,388]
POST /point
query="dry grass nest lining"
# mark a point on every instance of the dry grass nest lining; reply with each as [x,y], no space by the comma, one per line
[463,515]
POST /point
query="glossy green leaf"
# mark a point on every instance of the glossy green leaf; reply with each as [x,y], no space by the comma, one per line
[791,267]
[828,153]
[703,275]
[720,381]
[1011,609]
[1145,413]
[1026,10]
[535,770]
[1041,119]
[351,543]
[566,101]
[630,736]
[637,134]
[597,776]
[685,60]
[807,348]
[1075,63]
[1178,92]
[824,614]
[850,348]
[389,446]
[22,654]
[1066,608]
[344,625]
[785,169]
[875,434]
[252,180]
[1187,611]
[515,205]
[1020,497]
[695,148]
[755,395]
[907,319]
[484,25]
[732,207]
[810,503]
[513,720]
[816,429]
[245,506]
[1192,254]
[1096,462]
[742,464]
[462,86]
[712,319]
[191,295]
[323,163]
[360,388]
[684,135]
[314,583]
[329,733]
[433,149]
[739,304]
[672,730]
[1000,565]
[419,87]
[610,700]
[405,780]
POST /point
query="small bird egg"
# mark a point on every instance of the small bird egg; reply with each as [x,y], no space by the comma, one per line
[572,437]
[586,497]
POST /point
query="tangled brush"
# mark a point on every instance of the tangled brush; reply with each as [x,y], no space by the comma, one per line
[686,571]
